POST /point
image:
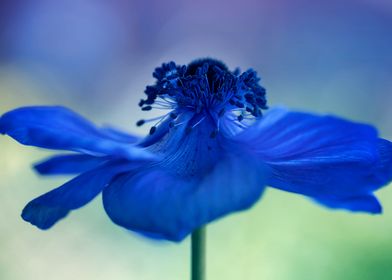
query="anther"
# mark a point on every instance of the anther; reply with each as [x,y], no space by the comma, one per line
[260,102]
[152,130]
[140,122]
[147,108]
[239,104]
[249,97]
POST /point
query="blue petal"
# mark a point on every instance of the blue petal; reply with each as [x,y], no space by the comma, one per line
[47,209]
[61,129]
[118,135]
[383,169]
[364,203]
[68,164]
[165,205]
[323,157]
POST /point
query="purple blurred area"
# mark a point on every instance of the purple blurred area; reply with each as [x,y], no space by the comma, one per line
[94,51]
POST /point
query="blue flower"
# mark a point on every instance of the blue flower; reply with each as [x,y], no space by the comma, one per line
[212,154]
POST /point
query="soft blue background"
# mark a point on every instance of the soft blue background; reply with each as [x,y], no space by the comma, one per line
[97,56]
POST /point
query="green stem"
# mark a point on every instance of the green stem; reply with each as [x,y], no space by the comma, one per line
[199,254]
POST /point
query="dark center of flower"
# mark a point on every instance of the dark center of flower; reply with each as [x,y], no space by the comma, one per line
[205,86]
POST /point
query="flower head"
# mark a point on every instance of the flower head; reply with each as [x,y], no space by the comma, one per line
[207,86]
[211,154]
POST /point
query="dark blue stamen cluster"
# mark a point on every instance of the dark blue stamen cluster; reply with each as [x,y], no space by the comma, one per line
[205,85]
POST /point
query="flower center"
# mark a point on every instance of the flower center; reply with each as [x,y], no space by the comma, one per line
[207,88]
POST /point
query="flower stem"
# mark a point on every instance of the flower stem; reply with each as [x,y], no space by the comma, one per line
[199,254]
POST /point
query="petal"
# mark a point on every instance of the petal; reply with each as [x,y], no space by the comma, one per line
[384,165]
[159,203]
[118,135]
[364,203]
[61,129]
[324,157]
[68,164]
[47,209]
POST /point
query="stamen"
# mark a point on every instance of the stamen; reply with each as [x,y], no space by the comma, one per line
[147,108]
[143,121]
[205,87]
[199,122]
[152,130]
[177,124]
[140,122]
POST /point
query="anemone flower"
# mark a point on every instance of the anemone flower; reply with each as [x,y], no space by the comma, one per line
[212,154]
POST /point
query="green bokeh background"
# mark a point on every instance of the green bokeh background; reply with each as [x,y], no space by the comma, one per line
[310,64]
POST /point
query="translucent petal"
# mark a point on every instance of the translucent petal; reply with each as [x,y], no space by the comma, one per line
[68,164]
[47,209]
[324,157]
[364,203]
[156,201]
[61,129]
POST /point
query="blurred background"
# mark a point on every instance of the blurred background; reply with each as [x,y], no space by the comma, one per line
[97,57]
